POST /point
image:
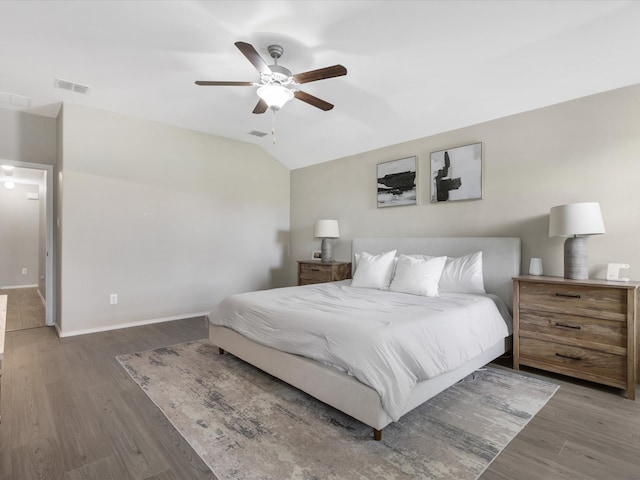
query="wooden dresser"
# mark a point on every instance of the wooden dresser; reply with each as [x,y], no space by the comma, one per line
[313,271]
[582,328]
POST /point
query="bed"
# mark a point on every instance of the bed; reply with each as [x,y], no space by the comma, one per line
[242,324]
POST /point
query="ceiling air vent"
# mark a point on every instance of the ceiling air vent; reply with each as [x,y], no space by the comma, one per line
[257,133]
[72,86]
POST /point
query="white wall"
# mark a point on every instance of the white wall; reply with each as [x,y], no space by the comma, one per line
[169,219]
[19,236]
[583,150]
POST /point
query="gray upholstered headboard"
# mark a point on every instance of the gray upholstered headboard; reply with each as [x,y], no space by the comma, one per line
[500,255]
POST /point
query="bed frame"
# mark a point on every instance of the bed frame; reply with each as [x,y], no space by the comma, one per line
[501,262]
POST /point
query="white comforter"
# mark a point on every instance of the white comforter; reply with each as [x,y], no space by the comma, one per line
[389,341]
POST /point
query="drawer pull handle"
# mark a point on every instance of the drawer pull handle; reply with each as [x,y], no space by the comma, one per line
[568,295]
[568,356]
[573,327]
[315,269]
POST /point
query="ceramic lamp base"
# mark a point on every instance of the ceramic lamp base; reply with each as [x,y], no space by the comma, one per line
[326,253]
[576,263]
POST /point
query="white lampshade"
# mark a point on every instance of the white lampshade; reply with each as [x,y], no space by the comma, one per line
[327,229]
[275,95]
[576,219]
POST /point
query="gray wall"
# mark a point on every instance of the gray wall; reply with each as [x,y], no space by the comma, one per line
[583,150]
[19,236]
[169,219]
[25,137]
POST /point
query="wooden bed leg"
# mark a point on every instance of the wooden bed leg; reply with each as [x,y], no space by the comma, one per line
[220,351]
[377,435]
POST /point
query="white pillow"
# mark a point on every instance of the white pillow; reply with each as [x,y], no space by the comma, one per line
[417,276]
[463,274]
[374,271]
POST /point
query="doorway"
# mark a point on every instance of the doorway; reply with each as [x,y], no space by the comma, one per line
[26,237]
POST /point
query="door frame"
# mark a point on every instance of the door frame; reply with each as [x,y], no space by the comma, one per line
[50,318]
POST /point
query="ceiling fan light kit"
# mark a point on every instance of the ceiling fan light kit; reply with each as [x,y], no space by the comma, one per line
[275,95]
[277,84]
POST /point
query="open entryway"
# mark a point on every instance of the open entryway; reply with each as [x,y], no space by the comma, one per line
[26,244]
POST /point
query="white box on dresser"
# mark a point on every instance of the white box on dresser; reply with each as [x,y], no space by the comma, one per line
[581,328]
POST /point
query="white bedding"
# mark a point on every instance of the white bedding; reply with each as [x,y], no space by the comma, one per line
[388,341]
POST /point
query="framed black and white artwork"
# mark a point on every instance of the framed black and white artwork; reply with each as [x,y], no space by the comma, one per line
[397,182]
[456,174]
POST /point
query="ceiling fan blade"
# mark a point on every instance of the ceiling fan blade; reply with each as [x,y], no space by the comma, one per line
[230,84]
[320,74]
[311,100]
[254,57]
[261,107]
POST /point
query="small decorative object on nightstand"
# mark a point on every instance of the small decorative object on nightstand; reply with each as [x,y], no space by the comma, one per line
[581,328]
[535,266]
[318,272]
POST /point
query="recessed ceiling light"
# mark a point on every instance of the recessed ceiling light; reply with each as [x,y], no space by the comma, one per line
[9,184]
[8,167]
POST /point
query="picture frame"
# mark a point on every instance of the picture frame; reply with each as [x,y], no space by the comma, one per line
[456,174]
[397,182]
[316,255]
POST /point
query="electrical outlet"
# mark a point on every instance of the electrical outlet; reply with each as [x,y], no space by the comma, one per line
[24,271]
[113,298]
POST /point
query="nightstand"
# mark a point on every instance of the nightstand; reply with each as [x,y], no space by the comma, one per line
[582,328]
[313,271]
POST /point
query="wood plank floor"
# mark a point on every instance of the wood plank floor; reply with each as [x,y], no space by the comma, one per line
[586,432]
[24,308]
[69,411]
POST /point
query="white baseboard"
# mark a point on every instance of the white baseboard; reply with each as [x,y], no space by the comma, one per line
[13,287]
[139,323]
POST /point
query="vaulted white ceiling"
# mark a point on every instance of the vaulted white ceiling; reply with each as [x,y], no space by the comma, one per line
[415,68]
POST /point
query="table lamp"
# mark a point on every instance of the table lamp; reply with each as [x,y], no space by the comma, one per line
[327,229]
[576,221]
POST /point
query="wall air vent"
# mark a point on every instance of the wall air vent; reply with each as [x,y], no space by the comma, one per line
[257,133]
[14,100]
[72,86]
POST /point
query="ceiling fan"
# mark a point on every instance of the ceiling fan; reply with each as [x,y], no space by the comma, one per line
[277,84]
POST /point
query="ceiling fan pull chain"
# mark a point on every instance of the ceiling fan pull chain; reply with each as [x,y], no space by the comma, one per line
[273,126]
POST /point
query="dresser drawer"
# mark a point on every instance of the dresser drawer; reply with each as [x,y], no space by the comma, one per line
[576,361]
[320,273]
[584,330]
[603,302]
[316,272]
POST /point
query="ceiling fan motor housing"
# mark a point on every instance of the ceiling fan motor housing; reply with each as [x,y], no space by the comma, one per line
[275,51]
[280,74]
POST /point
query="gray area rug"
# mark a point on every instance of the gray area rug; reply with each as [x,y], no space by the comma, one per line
[246,424]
